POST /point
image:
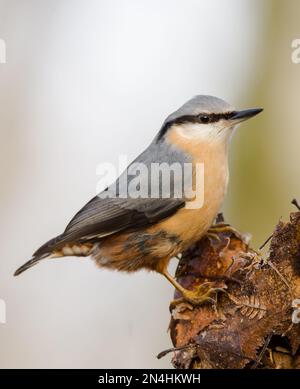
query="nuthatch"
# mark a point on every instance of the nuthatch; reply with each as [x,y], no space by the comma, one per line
[128,234]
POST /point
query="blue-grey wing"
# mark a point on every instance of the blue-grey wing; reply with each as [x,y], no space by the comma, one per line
[111,212]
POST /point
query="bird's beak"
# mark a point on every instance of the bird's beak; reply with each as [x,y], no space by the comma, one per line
[245,114]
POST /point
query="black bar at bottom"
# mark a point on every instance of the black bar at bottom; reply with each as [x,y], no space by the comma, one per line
[130,378]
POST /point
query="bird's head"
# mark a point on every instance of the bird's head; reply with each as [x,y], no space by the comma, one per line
[206,118]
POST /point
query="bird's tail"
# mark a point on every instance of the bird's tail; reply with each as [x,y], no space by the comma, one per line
[29,264]
[57,248]
[44,251]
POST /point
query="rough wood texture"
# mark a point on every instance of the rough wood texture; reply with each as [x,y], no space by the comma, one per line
[250,325]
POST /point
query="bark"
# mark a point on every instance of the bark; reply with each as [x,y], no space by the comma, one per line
[253,323]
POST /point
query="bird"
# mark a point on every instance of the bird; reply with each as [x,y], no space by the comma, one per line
[128,233]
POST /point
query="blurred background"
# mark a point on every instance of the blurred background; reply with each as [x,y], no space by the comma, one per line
[86,81]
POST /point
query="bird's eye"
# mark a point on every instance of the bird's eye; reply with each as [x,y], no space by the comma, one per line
[204,119]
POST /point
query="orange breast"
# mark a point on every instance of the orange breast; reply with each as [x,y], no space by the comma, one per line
[190,224]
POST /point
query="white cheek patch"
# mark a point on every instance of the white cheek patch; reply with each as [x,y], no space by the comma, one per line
[218,131]
[196,131]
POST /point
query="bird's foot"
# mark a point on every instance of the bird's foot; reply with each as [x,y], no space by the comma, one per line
[223,227]
[199,295]
[212,236]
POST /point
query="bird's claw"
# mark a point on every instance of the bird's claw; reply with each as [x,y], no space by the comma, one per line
[223,227]
[201,294]
[212,236]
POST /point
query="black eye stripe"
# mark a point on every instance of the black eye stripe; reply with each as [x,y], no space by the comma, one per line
[215,117]
[212,118]
[203,117]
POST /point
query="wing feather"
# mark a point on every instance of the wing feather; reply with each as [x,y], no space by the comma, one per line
[104,216]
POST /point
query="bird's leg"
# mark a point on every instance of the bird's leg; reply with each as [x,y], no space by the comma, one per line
[198,296]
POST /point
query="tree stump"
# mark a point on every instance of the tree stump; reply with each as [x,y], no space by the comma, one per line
[254,322]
